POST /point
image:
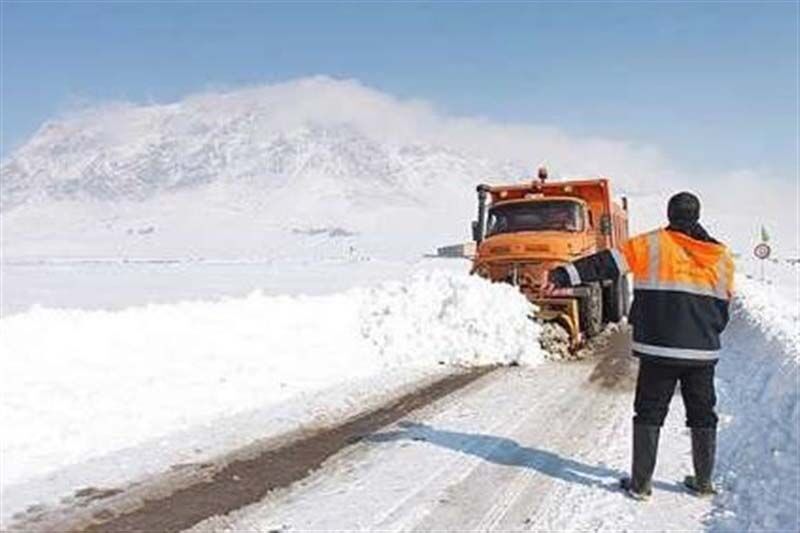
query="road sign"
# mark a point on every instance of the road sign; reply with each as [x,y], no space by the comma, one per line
[762,250]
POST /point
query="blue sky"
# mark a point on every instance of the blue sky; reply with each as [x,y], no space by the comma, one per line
[714,85]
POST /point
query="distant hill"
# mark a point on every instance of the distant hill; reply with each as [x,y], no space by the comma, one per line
[209,170]
[240,139]
[278,170]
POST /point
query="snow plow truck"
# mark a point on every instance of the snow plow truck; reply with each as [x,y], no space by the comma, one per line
[526,229]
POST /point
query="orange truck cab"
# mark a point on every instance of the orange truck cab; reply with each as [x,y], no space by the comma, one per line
[524,230]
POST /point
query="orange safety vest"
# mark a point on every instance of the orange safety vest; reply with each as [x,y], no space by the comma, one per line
[682,287]
[669,260]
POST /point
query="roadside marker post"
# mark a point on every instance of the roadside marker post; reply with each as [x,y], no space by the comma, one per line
[762,252]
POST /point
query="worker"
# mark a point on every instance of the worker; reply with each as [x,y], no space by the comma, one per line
[562,218]
[683,280]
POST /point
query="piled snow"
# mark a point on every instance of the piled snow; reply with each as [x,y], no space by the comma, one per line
[758,385]
[80,384]
[773,309]
[450,319]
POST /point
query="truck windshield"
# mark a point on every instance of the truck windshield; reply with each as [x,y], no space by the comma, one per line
[556,215]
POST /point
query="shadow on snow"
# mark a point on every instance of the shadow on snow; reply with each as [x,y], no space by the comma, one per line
[507,452]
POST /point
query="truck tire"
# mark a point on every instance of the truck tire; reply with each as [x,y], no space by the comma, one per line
[592,310]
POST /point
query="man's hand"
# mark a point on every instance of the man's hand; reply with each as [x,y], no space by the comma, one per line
[546,287]
[547,290]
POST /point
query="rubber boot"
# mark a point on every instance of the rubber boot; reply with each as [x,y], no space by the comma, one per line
[704,448]
[645,449]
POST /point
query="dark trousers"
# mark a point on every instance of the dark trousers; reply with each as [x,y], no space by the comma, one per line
[656,384]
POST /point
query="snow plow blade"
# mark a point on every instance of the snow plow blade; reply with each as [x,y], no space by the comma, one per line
[563,311]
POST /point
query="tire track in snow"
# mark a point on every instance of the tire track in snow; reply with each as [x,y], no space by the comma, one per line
[241,478]
[356,476]
[410,475]
[569,412]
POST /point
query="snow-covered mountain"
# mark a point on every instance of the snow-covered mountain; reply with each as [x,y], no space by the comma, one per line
[190,177]
[244,172]
[128,152]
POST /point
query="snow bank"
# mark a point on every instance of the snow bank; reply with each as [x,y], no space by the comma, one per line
[81,384]
[773,310]
[759,448]
[450,319]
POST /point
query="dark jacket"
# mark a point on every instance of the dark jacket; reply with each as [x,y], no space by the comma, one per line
[682,285]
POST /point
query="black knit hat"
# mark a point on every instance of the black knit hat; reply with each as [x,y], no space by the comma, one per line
[683,207]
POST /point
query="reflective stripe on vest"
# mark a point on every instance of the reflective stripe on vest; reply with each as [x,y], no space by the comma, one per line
[678,353]
[691,288]
[574,276]
[619,259]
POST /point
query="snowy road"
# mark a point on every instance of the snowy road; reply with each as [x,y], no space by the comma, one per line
[534,447]
[518,449]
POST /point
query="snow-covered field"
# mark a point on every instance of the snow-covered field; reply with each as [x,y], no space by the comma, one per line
[79,385]
[116,285]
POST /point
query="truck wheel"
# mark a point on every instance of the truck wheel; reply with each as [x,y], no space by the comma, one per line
[613,301]
[593,313]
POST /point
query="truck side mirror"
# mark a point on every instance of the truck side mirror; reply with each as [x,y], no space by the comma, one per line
[476,231]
